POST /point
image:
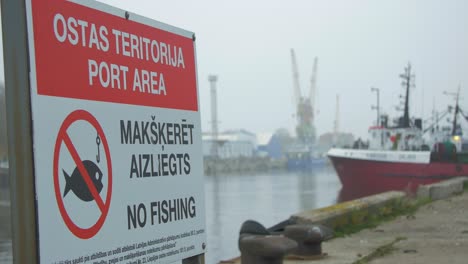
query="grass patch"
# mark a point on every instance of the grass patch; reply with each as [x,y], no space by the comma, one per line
[465,186]
[372,220]
[351,229]
[380,251]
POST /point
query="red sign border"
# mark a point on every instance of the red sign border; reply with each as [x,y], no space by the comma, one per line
[83,115]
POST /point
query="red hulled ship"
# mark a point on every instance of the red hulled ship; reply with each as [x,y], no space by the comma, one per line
[399,157]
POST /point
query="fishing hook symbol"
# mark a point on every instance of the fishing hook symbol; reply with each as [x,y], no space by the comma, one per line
[98,142]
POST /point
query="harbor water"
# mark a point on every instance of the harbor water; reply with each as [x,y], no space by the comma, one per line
[5,251]
[268,198]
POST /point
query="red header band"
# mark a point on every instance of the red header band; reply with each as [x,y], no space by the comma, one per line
[87,54]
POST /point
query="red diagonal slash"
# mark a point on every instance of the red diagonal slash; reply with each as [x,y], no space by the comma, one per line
[83,171]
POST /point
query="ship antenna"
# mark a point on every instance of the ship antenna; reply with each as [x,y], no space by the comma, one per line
[408,82]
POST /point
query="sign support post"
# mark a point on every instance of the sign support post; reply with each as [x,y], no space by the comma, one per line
[199,259]
[17,92]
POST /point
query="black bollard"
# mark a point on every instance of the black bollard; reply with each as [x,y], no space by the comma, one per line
[309,238]
[257,246]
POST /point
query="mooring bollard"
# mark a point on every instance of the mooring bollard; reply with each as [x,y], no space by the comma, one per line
[257,246]
[309,238]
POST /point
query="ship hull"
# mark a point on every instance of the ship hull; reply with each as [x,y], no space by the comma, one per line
[361,176]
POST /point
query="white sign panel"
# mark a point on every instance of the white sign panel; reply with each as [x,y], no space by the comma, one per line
[116,135]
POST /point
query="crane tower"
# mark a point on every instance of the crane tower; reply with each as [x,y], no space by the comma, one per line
[305,129]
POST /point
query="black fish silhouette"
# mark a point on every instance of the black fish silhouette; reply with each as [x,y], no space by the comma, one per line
[77,184]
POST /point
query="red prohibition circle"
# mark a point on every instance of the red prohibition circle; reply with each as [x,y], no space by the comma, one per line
[63,138]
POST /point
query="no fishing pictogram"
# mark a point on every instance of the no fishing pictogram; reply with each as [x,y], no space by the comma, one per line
[85,181]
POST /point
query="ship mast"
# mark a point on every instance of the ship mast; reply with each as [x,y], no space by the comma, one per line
[457,110]
[407,82]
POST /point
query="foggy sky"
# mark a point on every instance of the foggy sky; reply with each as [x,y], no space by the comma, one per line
[359,44]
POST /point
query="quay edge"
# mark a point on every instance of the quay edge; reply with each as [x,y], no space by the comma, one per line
[354,212]
[358,211]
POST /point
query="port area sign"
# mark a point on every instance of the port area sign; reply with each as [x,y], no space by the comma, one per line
[116,136]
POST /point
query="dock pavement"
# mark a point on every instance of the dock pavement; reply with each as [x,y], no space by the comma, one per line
[437,232]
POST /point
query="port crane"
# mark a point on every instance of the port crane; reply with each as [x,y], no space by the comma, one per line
[305,129]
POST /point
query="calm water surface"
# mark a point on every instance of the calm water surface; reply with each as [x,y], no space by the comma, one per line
[5,251]
[268,198]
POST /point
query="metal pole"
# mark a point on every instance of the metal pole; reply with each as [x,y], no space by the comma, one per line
[378,117]
[378,107]
[214,115]
[17,93]
[373,89]
[377,90]
[454,126]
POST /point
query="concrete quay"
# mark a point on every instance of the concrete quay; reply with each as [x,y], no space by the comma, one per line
[437,232]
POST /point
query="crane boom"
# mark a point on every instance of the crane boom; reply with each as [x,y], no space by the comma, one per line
[313,85]
[296,87]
